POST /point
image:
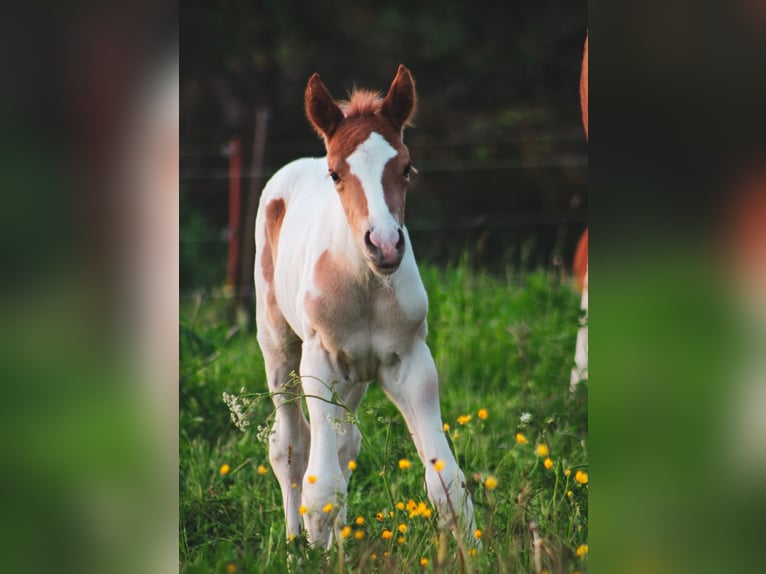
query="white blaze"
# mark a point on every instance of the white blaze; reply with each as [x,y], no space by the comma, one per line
[367,164]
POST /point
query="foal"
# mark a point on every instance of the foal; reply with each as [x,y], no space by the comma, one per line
[339,300]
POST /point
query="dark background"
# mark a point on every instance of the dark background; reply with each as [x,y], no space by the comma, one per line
[498,142]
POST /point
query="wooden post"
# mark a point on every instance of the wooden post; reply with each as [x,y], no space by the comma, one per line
[245,300]
[235,179]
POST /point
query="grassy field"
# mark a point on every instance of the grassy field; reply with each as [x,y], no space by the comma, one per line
[503,348]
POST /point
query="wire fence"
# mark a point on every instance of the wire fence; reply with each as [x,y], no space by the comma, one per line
[457,200]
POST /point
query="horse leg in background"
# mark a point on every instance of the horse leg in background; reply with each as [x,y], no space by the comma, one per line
[289,440]
[324,484]
[580,370]
[413,386]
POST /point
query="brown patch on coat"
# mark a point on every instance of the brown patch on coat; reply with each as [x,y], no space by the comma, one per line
[275,214]
[395,184]
[342,301]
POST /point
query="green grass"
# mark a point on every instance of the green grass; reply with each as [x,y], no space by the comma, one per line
[502,345]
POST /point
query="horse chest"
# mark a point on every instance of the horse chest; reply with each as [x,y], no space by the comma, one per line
[363,326]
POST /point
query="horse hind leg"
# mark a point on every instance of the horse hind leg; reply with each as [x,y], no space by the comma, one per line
[289,439]
[350,439]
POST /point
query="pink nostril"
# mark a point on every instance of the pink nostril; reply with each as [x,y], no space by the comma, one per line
[369,244]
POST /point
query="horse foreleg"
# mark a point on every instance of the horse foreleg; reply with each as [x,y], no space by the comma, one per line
[324,484]
[412,385]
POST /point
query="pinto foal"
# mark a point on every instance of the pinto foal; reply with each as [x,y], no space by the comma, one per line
[339,300]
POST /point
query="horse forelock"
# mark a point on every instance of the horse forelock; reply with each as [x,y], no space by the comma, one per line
[361,103]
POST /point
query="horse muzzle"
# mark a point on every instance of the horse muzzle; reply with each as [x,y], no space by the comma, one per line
[384,256]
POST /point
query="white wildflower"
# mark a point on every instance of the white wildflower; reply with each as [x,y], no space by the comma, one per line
[264,431]
[525,418]
[238,407]
[337,424]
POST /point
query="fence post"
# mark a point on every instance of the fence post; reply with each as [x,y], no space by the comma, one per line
[235,178]
[245,299]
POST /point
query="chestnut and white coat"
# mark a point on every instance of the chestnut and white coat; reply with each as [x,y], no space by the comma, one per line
[340,302]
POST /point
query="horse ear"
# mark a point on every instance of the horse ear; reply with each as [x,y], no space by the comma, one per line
[322,111]
[401,100]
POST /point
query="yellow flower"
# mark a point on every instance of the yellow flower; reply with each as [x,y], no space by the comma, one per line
[472,552]
[446,427]
[483,414]
[419,509]
[490,482]
[463,419]
[359,520]
[424,562]
[404,464]
[439,465]
[520,438]
[379,516]
[312,479]
[400,540]
[262,469]
[359,534]
[567,472]
[402,528]
[302,510]
[390,513]
[224,470]
[570,493]
[345,531]
[582,550]
[400,506]
[328,507]
[477,534]
[352,465]
[581,477]
[387,535]
[548,463]
[231,568]
[373,557]
[542,450]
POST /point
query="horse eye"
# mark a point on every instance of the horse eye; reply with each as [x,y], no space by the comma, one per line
[334,175]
